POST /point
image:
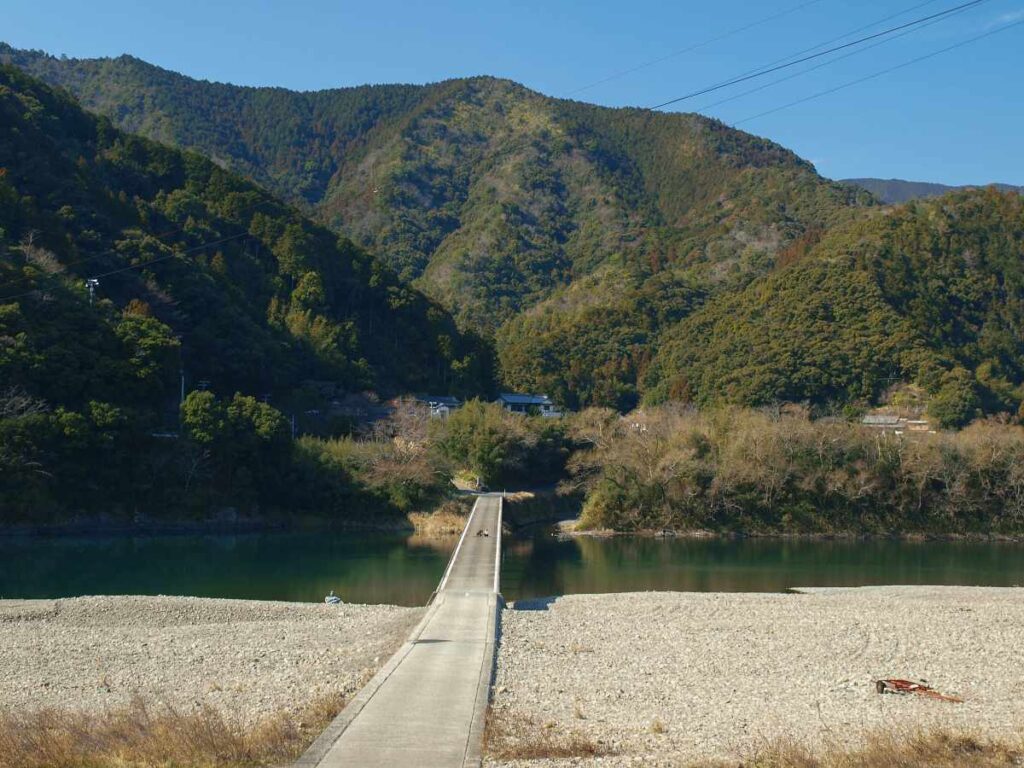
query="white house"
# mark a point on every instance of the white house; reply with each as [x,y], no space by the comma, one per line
[441,406]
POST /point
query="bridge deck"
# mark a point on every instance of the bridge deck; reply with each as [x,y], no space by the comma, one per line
[426,707]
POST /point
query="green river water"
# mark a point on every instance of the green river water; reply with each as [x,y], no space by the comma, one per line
[403,570]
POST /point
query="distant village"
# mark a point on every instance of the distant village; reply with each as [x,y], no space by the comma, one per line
[365,407]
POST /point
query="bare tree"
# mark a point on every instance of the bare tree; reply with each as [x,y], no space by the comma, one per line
[39,257]
[15,403]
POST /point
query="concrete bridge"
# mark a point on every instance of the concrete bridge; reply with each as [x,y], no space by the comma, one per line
[425,708]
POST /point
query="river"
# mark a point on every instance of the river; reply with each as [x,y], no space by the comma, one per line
[403,570]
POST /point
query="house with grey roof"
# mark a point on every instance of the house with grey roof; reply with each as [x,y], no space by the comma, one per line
[881,421]
[519,403]
[890,422]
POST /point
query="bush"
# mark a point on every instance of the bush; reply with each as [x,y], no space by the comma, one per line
[750,471]
[397,464]
[502,447]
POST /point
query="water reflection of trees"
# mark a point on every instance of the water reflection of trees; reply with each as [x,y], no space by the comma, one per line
[277,566]
[549,566]
[443,545]
[406,569]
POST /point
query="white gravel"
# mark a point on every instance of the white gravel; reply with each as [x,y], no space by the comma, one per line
[248,659]
[727,673]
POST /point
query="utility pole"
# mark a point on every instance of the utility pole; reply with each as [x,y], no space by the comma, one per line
[92,283]
[181,367]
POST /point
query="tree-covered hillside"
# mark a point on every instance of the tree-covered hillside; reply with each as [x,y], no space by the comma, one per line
[199,272]
[931,293]
[288,142]
[618,255]
[490,196]
[260,296]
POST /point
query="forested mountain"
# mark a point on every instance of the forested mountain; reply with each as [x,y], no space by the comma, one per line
[490,196]
[614,255]
[260,295]
[199,272]
[534,220]
[930,293]
[899,191]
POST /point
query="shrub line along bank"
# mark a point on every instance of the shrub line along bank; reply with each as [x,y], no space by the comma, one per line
[738,470]
[727,471]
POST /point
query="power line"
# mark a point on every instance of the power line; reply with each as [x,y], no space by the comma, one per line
[823,64]
[172,255]
[115,252]
[768,71]
[880,73]
[770,68]
[93,257]
[830,41]
[696,46]
[142,264]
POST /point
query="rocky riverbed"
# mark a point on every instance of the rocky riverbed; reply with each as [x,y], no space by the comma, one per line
[669,678]
[248,659]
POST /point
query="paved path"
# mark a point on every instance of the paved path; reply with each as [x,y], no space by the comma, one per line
[426,706]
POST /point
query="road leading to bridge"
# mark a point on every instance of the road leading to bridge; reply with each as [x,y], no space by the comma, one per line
[426,706]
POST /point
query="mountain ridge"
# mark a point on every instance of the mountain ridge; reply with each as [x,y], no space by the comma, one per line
[893,191]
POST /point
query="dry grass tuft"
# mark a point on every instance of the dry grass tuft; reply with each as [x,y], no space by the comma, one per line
[516,737]
[447,520]
[937,749]
[147,736]
[520,496]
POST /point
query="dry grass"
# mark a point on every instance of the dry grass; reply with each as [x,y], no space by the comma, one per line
[937,749]
[760,472]
[513,737]
[447,520]
[148,736]
[516,737]
[520,496]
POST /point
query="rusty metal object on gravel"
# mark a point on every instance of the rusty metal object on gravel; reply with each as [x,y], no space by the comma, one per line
[905,687]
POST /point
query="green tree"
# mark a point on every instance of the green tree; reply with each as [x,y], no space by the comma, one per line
[956,402]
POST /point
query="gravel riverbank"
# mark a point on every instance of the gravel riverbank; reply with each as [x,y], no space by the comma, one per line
[248,659]
[667,678]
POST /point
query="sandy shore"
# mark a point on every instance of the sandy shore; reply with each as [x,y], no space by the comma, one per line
[666,678]
[248,659]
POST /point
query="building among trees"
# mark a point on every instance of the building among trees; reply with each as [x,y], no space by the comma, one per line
[891,422]
[441,406]
[540,404]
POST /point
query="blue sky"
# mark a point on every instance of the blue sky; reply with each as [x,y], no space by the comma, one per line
[955,118]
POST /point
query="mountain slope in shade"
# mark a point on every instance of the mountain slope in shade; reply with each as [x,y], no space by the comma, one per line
[892,191]
[260,297]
